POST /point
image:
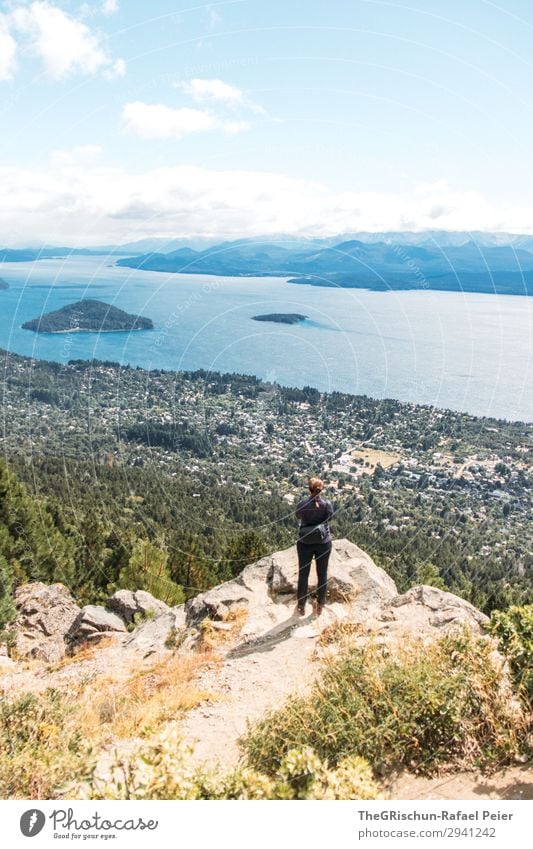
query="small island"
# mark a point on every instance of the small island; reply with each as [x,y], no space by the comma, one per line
[88,316]
[281,317]
[4,284]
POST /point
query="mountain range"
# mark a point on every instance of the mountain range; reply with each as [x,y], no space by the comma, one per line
[500,263]
[470,267]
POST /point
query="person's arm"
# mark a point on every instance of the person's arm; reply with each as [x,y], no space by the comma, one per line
[330,510]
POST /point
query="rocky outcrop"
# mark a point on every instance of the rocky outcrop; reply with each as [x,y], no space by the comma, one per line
[92,624]
[359,592]
[352,575]
[267,588]
[129,605]
[425,608]
[165,631]
[45,614]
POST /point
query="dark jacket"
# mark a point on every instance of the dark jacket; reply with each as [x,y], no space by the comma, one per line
[311,511]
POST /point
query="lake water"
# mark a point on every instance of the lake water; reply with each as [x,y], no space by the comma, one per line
[461,351]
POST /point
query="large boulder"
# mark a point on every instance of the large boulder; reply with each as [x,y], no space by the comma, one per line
[92,624]
[45,614]
[128,604]
[352,575]
[425,608]
[268,587]
[165,631]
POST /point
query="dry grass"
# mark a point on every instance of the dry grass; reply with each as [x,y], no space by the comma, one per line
[47,740]
[386,459]
[212,636]
[340,634]
[139,705]
[418,706]
[86,651]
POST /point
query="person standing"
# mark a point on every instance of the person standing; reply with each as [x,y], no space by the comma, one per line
[314,540]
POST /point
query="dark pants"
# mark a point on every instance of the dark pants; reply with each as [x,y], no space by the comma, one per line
[321,552]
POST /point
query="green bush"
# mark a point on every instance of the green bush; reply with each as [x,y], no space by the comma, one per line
[164,769]
[423,707]
[513,629]
[7,605]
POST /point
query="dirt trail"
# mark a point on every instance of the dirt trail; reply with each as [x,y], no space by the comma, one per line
[514,782]
[247,682]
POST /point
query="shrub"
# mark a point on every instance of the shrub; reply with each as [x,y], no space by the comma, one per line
[513,629]
[38,745]
[164,769]
[422,707]
[7,605]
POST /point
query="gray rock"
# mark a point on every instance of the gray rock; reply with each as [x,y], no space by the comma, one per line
[266,588]
[45,614]
[128,604]
[217,602]
[352,574]
[159,633]
[425,608]
[93,623]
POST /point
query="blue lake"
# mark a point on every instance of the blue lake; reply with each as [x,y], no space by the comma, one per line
[461,351]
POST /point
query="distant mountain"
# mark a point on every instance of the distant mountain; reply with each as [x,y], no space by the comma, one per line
[4,284]
[88,315]
[33,254]
[357,264]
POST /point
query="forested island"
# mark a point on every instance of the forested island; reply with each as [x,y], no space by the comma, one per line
[90,316]
[281,317]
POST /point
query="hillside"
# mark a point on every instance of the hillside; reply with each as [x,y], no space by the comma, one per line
[381,266]
[90,316]
[424,491]
[136,674]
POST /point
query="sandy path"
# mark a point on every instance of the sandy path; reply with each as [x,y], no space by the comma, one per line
[246,683]
[514,782]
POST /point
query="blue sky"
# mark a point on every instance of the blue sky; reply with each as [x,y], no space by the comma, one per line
[123,119]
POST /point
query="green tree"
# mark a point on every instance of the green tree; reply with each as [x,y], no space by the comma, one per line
[147,569]
[245,548]
[7,607]
[429,574]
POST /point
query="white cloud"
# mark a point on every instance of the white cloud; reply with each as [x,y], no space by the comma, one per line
[63,44]
[8,49]
[211,89]
[75,157]
[109,7]
[78,200]
[157,121]
[225,94]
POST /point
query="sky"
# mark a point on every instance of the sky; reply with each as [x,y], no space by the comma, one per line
[126,119]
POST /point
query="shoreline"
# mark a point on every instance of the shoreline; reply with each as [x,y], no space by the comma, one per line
[83,330]
[493,420]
